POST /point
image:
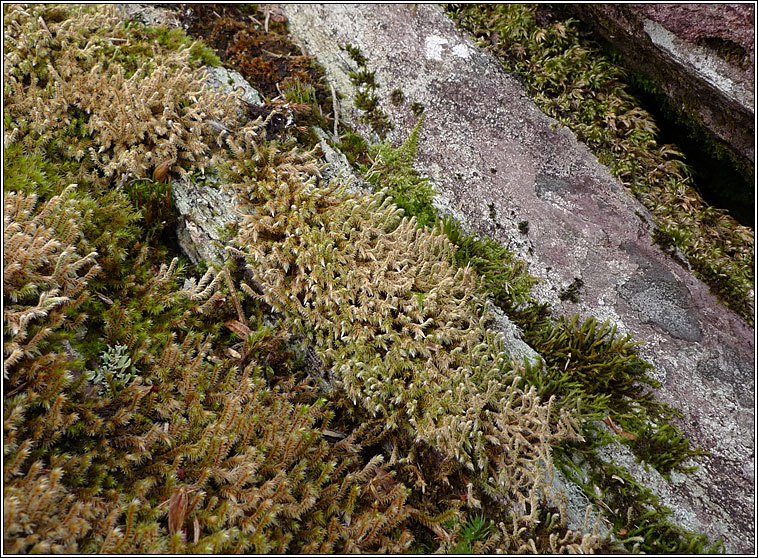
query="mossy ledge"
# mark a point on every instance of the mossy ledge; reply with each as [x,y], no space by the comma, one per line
[443,80]
[198,427]
[586,367]
[571,80]
[150,411]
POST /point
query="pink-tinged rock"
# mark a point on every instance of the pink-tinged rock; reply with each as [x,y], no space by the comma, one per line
[701,22]
[681,47]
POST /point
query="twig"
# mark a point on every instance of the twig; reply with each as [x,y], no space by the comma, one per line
[235,296]
[301,47]
[265,24]
[275,54]
[336,109]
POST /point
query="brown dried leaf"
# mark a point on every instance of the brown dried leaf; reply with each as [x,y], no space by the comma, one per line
[177,509]
[628,435]
[161,171]
[238,327]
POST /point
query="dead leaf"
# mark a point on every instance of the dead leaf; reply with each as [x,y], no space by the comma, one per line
[161,171]
[177,509]
[382,483]
[238,327]
[276,14]
[628,435]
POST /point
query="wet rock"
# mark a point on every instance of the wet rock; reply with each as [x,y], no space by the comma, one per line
[489,150]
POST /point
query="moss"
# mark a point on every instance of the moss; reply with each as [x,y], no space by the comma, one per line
[505,276]
[392,169]
[571,293]
[222,385]
[638,520]
[587,367]
[116,468]
[572,81]
[365,98]
[153,200]
[355,148]
[355,54]
[396,97]
[402,327]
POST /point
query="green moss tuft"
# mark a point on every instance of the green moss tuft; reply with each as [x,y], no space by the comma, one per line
[392,169]
[365,97]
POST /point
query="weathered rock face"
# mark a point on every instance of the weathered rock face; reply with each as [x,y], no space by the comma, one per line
[698,23]
[496,161]
[676,46]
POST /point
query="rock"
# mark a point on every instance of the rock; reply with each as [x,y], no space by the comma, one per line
[229,81]
[681,48]
[205,209]
[147,14]
[496,161]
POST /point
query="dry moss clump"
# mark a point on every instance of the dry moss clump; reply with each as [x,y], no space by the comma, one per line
[128,427]
[196,454]
[65,77]
[402,332]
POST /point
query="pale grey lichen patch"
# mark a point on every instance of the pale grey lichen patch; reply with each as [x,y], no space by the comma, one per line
[517,348]
[731,370]
[229,81]
[660,299]
[434,46]
[576,502]
[149,15]
[205,211]
[545,184]
[647,476]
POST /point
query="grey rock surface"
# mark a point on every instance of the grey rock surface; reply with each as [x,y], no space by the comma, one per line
[148,14]
[675,45]
[485,145]
[205,207]
[205,211]
[229,81]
